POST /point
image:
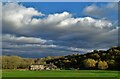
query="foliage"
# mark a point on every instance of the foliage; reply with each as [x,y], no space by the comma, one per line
[98,59]
[15,62]
[90,63]
[102,65]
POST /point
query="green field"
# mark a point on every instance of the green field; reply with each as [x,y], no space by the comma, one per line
[60,73]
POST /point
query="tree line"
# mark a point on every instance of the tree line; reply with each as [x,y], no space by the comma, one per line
[98,59]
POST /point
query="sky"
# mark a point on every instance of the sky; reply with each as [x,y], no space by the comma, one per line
[40,29]
[61,0]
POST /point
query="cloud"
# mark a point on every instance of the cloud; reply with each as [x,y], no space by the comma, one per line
[13,45]
[112,6]
[53,33]
[24,40]
[20,18]
[85,22]
[45,46]
[11,41]
[93,10]
[100,11]
[1,13]
[54,18]
[30,50]
[18,14]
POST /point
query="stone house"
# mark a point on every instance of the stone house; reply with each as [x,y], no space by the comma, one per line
[42,67]
[36,67]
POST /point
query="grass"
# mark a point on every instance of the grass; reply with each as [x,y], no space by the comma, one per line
[60,73]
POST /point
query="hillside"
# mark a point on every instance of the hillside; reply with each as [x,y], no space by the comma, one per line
[98,59]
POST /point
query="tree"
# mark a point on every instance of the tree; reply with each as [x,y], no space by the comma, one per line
[95,51]
[90,63]
[95,56]
[15,62]
[25,63]
[112,64]
[11,62]
[102,65]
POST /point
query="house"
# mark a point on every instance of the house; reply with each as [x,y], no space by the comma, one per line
[43,67]
[36,67]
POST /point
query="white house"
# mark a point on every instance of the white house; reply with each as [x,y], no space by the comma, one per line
[43,67]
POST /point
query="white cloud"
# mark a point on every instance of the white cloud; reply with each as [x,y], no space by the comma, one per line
[54,18]
[93,9]
[78,49]
[51,21]
[18,14]
[22,39]
[103,10]
[19,19]
[113,6]
[85,22]
[29,46]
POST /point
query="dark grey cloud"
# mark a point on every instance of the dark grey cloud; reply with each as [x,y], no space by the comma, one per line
[22,46]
